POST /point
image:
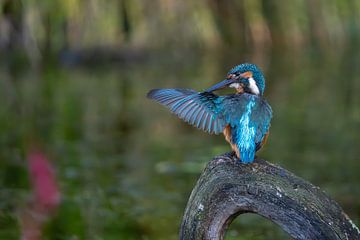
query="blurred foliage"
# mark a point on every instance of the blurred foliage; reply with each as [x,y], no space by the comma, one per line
[74,75]
[50,26]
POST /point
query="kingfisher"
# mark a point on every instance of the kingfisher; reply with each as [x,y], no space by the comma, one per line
[243,117]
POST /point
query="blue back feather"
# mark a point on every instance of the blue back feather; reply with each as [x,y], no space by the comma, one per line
[249,118]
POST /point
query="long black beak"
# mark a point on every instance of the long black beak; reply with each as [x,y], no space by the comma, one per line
[220,85]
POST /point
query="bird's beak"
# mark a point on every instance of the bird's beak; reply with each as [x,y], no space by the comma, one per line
[220,85]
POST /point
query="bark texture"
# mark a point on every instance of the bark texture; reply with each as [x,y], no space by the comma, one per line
[228,188]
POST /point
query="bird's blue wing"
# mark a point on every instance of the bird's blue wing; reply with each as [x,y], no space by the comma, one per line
[261,115]
[198,109]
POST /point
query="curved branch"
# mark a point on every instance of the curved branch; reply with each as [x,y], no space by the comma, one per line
[228,188]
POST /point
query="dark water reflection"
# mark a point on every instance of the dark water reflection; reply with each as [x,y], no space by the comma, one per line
[127,166]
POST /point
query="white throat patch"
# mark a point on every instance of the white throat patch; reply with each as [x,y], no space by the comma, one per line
[234,85]
[253,87]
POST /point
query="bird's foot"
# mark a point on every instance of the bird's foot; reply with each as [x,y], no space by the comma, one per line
[232,155]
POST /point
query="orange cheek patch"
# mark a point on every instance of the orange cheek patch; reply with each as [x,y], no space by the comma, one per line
[247,74]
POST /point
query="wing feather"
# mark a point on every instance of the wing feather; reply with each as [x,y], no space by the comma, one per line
[199,118]
[205,121]
[185,111]
[198,109]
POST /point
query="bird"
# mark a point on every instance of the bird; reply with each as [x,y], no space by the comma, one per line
[243,117]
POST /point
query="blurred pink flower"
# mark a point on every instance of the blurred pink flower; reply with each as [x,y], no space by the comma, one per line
[46,196]
[42,176]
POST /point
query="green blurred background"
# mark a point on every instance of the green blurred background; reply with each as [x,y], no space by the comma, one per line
[74,75]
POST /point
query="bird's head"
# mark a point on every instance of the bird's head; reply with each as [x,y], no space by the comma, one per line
[245,77]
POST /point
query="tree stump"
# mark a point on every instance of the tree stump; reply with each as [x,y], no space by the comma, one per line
[228,188]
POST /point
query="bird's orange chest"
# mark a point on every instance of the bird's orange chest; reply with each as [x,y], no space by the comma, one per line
[228,138]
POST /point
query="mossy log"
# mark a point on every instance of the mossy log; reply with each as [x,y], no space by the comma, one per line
[228,188]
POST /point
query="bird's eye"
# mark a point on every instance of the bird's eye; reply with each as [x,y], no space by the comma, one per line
[231,75]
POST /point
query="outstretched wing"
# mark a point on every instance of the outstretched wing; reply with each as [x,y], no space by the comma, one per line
[198,109]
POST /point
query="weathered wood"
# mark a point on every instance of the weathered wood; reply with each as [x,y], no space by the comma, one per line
[228,188]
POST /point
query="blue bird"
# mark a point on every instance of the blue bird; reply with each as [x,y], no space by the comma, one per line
[244,117]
